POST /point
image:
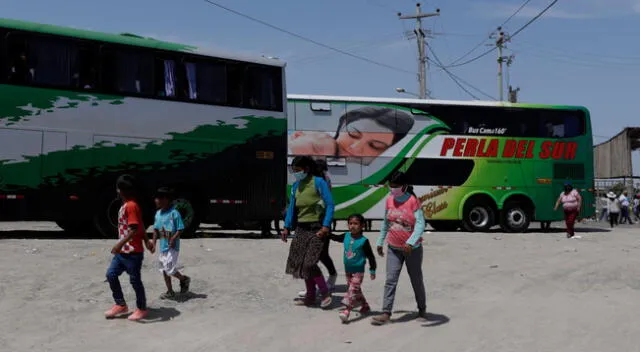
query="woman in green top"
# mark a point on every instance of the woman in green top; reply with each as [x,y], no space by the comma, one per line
[310,210]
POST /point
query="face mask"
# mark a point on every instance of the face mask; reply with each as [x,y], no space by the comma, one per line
[397,192]
[300,175]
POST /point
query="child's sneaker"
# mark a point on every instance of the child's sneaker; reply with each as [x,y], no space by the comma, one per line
[168,295]
[302,294]
[344,316]
[184,284]
[326,301]
[116,311]
[139,314]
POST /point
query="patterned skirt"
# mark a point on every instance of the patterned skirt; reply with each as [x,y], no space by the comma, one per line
[304,253]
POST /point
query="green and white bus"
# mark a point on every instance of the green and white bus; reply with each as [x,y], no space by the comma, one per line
[79,108]
[473,164]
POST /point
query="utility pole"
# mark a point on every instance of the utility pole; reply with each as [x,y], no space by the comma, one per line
[420,38]
[500,44]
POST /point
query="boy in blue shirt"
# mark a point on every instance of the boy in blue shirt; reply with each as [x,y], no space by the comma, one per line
[357,250]
[168,227]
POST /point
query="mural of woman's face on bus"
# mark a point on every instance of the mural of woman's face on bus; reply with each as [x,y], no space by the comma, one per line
[364,138]
[362,135]
[369,131]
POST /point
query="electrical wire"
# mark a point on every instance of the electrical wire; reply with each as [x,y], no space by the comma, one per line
[511,36]
[489,37]
[457,80]
[315,42]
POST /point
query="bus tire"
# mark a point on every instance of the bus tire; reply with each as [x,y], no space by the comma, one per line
[444,225]
[516,217]
[105,215]
[478,216]
[190,215]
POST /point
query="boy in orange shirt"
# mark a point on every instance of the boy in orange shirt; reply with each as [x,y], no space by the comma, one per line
[128,253]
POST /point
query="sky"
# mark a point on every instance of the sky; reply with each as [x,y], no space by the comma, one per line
[580,52]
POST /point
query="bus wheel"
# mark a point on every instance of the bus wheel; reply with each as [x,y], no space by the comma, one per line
[515,217]
[478,216]
[189,216]
[445,225]
[105,216]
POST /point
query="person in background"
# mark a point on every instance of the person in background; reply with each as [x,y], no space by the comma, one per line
[402,228]
[128,253]
[624,208]
[322,170]
[636,207]
[311,211]
[168,227]
[603,207]
[571,204]
[357,250]
[613,207]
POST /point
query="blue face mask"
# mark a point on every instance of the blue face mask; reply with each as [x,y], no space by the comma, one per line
[300,175]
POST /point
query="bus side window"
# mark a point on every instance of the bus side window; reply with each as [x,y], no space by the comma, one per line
[20,67]
[235,84]
[262,84]
[127,71]
[206,81]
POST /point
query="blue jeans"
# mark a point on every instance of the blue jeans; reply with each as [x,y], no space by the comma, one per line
[132,264]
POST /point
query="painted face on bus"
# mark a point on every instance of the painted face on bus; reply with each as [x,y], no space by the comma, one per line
[312,143]
[364,138]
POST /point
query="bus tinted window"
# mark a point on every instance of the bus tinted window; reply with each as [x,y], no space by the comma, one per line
[127,71]
[206,81]
[512,122]
[262,85]
[49,61]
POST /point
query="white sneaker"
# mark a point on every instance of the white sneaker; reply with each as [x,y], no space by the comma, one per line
[302,294]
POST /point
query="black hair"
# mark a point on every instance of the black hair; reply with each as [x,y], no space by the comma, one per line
[400,178]
[306,162]
[357,216]
[322,165]
[126,184]
[396,120]
[165,193]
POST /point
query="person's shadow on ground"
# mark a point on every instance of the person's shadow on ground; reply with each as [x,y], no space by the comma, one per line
[161,314]
[432,319]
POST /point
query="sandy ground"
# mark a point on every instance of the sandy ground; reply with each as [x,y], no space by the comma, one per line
[486,292]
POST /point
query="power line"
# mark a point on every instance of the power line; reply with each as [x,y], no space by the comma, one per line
[358,57]
[454,77]
[511,36]
[489,37]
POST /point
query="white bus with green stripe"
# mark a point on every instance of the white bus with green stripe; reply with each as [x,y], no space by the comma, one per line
[79,108]
[474,165]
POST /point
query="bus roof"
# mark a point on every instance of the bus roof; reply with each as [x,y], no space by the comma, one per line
[354,99]
[132,40]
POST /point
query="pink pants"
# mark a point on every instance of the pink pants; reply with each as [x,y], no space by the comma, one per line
[354,296]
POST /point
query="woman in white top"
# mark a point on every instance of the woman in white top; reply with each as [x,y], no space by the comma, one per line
[613,205]
[571,203]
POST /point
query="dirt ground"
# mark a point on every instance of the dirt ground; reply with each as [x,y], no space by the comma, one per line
[486,292]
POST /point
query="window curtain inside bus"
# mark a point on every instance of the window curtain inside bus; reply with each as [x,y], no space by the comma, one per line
[52,61]
[192,79]
[169,78]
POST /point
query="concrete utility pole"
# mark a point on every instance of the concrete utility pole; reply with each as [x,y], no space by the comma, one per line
[420,38]
[502,39]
